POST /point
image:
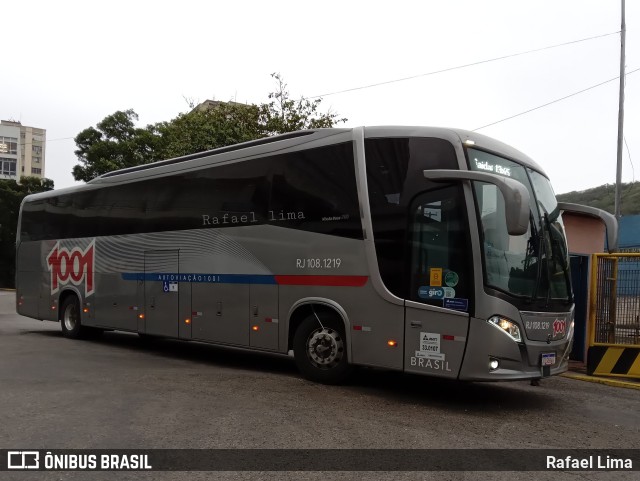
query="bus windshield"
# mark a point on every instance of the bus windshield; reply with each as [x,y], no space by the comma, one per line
[534,265]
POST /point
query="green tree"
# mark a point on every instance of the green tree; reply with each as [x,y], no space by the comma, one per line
[603,197]
[284,114]
[117,143]
[200,130]
[11,195]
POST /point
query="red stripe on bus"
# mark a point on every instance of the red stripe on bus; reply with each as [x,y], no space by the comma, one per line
[446,337]
[343,281]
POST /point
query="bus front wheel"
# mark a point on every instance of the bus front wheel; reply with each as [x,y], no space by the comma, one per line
[320,349]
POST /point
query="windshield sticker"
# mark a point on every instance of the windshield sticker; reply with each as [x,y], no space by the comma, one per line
[451,278]
[457,303]
[449,292]
[427,292]
[432,213]
[435,276]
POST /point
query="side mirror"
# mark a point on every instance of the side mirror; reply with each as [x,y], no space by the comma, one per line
[609,221]
[516,195]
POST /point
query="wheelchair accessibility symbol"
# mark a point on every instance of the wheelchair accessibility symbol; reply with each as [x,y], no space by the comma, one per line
[169,286]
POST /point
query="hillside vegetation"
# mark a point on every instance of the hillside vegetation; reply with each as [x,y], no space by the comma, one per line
[603,197]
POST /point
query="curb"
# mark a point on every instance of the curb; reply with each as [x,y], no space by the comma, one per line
[602,380]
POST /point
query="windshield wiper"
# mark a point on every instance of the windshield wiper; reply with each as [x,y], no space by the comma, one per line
[546,231]
[555,254]
[540,236]
[557,251]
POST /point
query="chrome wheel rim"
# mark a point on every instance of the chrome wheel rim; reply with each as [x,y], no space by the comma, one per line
[325,348]
[70,317]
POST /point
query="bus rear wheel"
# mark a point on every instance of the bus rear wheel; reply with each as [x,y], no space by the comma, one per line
[320,349]
[70,318]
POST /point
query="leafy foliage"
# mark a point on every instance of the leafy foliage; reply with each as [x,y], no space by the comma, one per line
[283,114]
[11,195]
[200,130]
[603,197]
[117,143]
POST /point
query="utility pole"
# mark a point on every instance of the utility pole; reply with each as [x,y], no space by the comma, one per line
[623,31]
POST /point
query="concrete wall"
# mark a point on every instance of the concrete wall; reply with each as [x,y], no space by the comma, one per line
[31,148]
[12,131]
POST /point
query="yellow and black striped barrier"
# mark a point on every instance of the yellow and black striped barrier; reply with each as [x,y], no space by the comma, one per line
[614,361]
[614,316]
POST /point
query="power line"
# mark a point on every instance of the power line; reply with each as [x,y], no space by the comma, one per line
[554,101]
[61,138]
[633,170]
[46,141]
[463,66]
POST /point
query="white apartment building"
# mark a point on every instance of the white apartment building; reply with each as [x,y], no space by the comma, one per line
[22,150]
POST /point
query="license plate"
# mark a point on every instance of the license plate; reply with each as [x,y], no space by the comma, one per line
[548,359]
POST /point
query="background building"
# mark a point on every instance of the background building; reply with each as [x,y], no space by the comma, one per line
[22,150]
[586,236]
[629,240]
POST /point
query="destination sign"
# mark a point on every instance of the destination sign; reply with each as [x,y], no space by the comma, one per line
[495,168]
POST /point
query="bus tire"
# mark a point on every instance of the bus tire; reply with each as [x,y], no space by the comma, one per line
[320,349]
[71,318]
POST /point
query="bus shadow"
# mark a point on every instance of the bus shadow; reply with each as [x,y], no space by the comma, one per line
[49,333]
[397,387]
[200,352]
[487,398]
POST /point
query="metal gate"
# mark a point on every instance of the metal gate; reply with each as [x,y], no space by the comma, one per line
[614,320]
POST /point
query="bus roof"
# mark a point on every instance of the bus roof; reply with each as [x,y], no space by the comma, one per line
[294,141]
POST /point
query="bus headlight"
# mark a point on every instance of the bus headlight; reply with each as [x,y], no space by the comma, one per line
[507,326]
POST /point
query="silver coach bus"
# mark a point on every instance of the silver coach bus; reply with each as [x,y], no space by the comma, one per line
[432,251]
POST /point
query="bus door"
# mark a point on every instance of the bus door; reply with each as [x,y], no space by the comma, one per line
[439,283]
[161,294]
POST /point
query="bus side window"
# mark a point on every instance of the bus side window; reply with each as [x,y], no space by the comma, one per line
[316,191]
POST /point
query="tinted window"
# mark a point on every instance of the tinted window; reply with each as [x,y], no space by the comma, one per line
[33,226]
[438,267]
[312,190]
[223,196]
[315,190]
[394,178]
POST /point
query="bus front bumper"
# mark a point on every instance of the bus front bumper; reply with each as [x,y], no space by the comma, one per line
[492,355]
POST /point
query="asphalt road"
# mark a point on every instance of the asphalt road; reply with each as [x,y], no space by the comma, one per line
[122,393]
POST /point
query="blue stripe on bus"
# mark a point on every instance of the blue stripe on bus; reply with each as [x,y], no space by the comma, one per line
[209,278]
[287,280]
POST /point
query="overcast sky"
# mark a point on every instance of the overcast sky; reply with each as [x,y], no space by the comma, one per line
[67,65]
